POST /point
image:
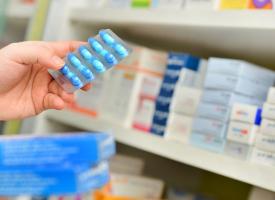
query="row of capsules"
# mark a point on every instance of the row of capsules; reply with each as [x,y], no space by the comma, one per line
[100,54]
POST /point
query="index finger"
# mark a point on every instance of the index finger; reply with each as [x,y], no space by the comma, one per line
[62,48]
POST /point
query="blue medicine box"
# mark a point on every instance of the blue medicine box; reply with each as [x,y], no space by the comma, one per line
[58,180]
[73,148]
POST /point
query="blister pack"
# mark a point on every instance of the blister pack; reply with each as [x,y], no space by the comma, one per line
[101,53]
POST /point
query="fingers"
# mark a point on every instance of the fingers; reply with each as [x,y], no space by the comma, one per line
[47,54]
[53,101]
[62,48]
[56,89]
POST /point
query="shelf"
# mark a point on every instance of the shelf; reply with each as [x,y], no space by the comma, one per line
[19,13]
[258,175]
[224,19]
[237,34]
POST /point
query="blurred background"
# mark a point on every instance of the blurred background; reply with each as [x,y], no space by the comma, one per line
[160,156]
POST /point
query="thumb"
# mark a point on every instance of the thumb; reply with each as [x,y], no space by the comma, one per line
[34,53]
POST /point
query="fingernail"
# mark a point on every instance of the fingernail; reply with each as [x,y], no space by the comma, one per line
[58,62]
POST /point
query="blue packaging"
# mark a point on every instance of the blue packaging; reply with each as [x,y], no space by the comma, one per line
[176,62]
[210,126]
[242,69]
[171,75]
[235,84]
[58,180]
[207,141]
[160,117]
[213,111]
[74,148]
[158,129]
[228,98]
[163,103]
[167,90]
[102,52]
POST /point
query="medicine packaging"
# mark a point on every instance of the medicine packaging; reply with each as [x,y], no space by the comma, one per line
[268,111]
[58,180]
[213,111]
[271,95]
[242,132]
[265,142]
[158,129]
[185,100]
[238,68]
[167,4]
[136,187]
[160,117]
[201,73]
[268,127]
[179,127]
[235,84]
[228,98]
[246,113]
[88,61]
[238,150]
[137,79]
[118,3]
[209,126]
[199,4]
[144,115]
[207,141]
[262,157]
[72,148]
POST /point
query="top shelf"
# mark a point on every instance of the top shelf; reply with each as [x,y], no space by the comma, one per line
[221,19]
[233,34]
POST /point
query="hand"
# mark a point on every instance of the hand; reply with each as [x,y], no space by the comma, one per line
[26,88]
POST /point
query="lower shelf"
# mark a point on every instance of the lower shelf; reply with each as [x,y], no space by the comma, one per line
[257,175]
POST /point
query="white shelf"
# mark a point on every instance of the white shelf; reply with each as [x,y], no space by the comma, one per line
[225,19]
[261,176]
[237,34]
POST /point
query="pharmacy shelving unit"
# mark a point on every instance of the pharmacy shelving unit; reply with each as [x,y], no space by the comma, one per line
[262,176]
[238,34]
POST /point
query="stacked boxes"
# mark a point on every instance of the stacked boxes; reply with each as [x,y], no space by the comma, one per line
[132,86]
[242,131]
[176,63]
[265,143]
[185,102]
[227,81]
[54,165]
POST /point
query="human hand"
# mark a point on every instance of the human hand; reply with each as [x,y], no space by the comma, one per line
[26,87]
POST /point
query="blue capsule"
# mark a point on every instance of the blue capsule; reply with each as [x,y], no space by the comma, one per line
[87,74]
[85,53]
[122,52]
[110,58]
[74,60]
[106,38]
[76,81]
[96,46]
[70,75]
[99,67]
[65,70]
[82,68]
